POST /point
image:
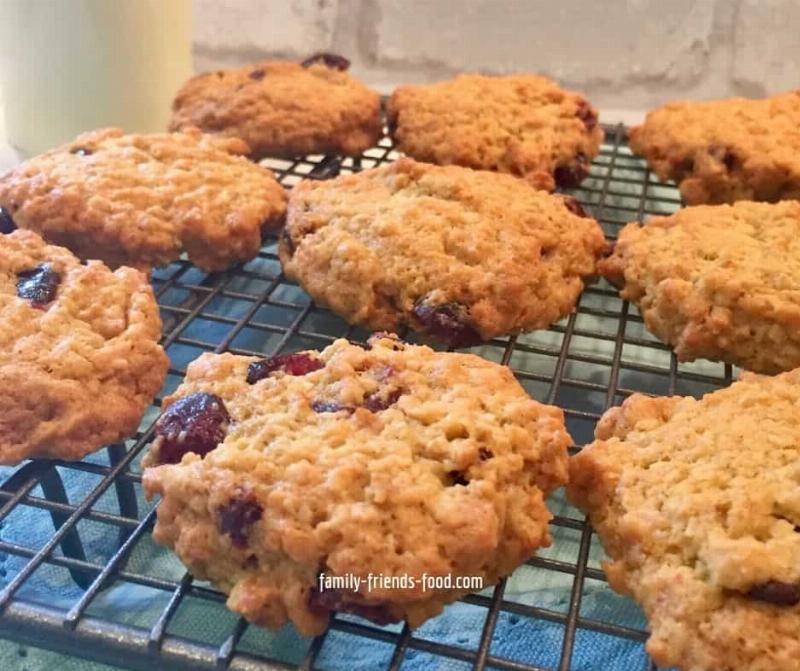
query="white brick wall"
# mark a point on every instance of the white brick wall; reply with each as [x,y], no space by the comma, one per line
[625,54]
[767,45]
[228,29]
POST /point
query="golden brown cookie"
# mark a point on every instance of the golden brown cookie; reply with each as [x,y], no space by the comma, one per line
[141,200]
[524,125]
[390,460]
[79,353]
[282,108]
[459,254]
[725,150]
[697,504]
[717,281]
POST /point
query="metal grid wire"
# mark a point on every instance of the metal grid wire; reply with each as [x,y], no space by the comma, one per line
[585,364]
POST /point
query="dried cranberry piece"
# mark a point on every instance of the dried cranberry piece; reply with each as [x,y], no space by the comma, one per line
[730,160]
[586,114]
[330,406]
[574,206]
[257,75]
[485,453]
[38,285]
[457,478]
[333,61]
[296,363]
[684,167]
[447,322]
[777,593]
[377,402]
[81,151]
[7,224]
[237,516]
[195,423]
[333,600]
[287,241]
[724,155]
[572,174]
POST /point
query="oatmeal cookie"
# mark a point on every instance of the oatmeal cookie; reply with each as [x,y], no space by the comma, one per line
[391,459]
[459,254]
[697,503]
[282,108]
[79,353]
[525,125]
[717,281]
[721,151]
[140,200]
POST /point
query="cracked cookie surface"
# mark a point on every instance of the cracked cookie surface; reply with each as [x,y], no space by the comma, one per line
[461,255]
[721,151]
[525,125]
[717,281]
[390,459]
[141,200]
[79,353]
[282,108]
[697,503]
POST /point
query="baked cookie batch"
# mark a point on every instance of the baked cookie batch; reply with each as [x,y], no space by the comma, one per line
[392,458]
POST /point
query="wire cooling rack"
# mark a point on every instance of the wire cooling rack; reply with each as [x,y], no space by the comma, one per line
[555,612]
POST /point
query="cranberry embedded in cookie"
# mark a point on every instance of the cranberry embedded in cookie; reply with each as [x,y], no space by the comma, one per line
[573,173]
[448,322]
[574,206]
[196,423]
[38,285]
[587,114]
[382,400]
[7,224]
[334,61]
[235,518]
[297,363]
[777,593]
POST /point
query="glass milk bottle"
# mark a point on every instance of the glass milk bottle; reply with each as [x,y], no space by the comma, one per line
[67,66]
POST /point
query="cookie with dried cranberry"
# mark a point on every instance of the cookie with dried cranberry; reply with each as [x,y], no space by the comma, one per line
[697,503]
[142,200]
[388,459]
[721,151]
[523,124]
[717,281]
[459,254]
[281,108]
[79,353]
